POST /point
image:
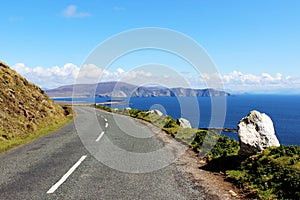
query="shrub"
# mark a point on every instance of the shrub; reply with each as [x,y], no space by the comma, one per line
[134,113]
[170,123]
[224,147]
[272,173]
[106,108]
[215,144]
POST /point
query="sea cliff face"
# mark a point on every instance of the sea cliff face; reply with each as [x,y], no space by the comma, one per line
[119,89]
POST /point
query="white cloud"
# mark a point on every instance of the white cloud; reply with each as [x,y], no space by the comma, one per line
[234,82]
[238,82]
[91,73]
[70,74]
[71,12]
[120,70]
[49,77]
[265,82]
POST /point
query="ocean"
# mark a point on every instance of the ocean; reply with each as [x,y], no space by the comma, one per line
[284,110]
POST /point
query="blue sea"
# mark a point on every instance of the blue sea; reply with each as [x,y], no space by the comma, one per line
[284,110]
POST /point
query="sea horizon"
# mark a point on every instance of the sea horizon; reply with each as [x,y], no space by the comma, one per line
[280,108]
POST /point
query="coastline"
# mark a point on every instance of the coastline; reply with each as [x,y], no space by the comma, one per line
[280,108]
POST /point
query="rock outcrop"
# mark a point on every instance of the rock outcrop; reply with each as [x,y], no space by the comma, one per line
[256,133]
[155,111]
[184,123]
[24,107]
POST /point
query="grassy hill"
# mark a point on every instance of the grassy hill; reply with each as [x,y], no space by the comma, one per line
[25,110]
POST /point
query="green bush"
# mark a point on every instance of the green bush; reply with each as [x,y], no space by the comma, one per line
[106,108]
[134,113]
[216,144]
[224,147]
[272,173]
[170,123]
[198,140]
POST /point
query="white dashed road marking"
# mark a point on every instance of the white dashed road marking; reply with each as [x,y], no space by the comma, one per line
[100,136]
[64,178]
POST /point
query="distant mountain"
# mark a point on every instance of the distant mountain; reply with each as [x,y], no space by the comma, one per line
[120,89]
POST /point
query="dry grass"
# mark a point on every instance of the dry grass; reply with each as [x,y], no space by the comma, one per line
[28,137]
[25,109]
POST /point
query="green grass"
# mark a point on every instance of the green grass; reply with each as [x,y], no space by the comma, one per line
[274,173]
[26,138]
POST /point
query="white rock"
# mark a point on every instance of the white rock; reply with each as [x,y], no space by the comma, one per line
[184,123]
[232,193]
[256,133]
[156,112]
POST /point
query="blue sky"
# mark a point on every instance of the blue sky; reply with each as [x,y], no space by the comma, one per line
[248,37]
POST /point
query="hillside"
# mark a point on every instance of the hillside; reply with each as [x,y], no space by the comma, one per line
[24,107]
[120,89]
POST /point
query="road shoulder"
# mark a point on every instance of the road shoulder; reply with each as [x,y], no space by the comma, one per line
[188,164]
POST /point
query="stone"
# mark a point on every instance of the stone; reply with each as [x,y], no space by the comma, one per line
[11,90]
[233,193]
[155,111]
[256,133]
[184,123]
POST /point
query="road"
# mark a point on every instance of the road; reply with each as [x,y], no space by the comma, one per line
[67,164]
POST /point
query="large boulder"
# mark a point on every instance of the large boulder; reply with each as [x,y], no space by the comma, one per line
[256,133]
[155,111]
[184,123]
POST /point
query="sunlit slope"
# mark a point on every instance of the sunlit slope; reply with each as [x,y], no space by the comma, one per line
[24,107]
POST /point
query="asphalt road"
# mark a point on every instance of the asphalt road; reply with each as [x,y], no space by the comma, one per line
[96,157]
